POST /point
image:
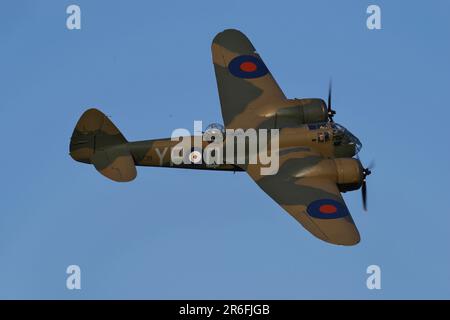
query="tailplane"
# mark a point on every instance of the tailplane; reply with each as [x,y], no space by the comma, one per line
[96,140]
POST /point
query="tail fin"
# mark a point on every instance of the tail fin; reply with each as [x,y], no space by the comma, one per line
[97,140]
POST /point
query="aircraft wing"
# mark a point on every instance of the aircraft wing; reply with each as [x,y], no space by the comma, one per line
[314,202]
[245,84]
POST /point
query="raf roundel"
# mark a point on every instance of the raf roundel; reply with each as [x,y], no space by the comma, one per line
[247,67]
[195,157]
[327,209]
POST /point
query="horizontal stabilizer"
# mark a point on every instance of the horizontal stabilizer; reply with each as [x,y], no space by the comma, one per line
[115,163]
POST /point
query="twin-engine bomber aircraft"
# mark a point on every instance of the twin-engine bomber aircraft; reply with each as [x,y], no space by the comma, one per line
[316,154]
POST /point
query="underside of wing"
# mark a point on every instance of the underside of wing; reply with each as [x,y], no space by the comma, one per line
[313,201]
[244,82]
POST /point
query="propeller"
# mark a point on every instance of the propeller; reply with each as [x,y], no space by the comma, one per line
[366,172]
[330,111]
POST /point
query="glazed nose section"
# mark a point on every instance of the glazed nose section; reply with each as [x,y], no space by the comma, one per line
[346,144]
[354,141]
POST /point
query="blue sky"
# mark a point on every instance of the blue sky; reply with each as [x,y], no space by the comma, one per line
[194,234]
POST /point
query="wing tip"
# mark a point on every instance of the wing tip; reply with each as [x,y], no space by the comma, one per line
[347,239]
[233,40]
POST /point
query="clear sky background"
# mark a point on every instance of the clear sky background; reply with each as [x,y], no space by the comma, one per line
[196,234]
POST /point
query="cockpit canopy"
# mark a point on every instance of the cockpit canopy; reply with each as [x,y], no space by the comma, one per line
[342,138]
[215,126]
[213,131]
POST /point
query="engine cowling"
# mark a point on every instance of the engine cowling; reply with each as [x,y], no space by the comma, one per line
[303,111]
[349,173]
[346,172]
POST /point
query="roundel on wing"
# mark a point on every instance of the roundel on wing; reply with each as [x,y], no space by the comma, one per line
[327,209]
[247,67]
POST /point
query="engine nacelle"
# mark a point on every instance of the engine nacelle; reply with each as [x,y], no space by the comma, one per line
[349,173]
[346,172]
[304,111]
